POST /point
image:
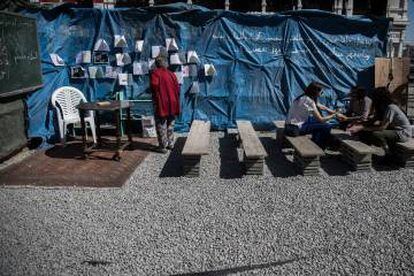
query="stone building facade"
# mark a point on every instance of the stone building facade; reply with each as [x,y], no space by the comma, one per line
[395,9]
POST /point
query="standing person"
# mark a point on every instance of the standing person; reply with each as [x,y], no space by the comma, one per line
[166,99]
[392,124]
[304,116]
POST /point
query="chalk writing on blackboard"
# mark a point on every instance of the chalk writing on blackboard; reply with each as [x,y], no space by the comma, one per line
[4,61]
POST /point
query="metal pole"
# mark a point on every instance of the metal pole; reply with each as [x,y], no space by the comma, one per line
[227,5]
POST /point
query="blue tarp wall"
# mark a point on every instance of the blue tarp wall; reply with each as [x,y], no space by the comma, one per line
[263,61]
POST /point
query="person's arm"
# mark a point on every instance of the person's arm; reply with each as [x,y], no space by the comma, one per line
[322,107]
[389,115]
[367,108]
[320,118]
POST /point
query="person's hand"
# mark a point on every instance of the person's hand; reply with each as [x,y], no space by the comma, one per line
[341,117]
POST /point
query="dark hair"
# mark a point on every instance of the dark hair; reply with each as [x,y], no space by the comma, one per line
[358,92]
[381,99]
[313,90]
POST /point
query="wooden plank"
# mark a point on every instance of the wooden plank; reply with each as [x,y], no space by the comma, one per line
[304,146]
[252,146]
[198,139]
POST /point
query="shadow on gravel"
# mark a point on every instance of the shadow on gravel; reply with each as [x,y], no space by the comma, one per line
[239,269]
[333,164]
[276,160]
[230,167]
[172,167]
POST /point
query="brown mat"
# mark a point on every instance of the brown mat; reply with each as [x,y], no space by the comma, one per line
[65,167]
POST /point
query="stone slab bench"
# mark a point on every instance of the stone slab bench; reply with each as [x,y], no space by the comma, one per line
[196,145]
[253,150]
[357,154]
[307,154]
[404,152]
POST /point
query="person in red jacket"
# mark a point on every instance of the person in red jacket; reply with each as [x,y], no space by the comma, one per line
[166,99]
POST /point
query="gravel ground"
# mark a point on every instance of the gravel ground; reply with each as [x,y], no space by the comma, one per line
[218,224]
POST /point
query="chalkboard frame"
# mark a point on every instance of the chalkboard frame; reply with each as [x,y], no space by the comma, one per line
[30,88]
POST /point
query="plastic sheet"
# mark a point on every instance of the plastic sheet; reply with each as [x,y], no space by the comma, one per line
[262,62]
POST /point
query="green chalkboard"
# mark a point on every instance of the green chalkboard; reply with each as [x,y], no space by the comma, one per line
[20,70]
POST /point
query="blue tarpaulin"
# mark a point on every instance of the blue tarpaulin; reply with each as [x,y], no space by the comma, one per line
[262,61]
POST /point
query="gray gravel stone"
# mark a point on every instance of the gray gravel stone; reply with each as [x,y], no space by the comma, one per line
[222,222]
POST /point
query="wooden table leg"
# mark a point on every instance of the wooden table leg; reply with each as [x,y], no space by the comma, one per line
[129,127]
[83,131]
[117,155]
[98,128]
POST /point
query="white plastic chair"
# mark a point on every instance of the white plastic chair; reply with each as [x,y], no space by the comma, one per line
[64,100]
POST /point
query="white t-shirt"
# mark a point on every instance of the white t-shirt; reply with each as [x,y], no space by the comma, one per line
[300,110]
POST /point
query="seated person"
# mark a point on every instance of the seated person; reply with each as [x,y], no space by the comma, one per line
[391,126]
[360,105]
[304,116]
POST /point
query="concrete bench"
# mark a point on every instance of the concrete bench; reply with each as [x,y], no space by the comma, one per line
[404,152]
[357,154]
[307,154]
[253,150]
[196,145]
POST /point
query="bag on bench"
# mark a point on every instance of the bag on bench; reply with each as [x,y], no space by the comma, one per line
[292,130]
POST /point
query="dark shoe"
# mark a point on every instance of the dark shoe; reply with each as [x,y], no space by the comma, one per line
[170,147]
[161,150]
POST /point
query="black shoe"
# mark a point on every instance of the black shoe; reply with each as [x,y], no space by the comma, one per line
[170,147]
[161,150]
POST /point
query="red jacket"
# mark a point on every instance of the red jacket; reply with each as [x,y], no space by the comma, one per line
[165,93]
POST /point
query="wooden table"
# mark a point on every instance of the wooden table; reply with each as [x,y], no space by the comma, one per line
[112,106]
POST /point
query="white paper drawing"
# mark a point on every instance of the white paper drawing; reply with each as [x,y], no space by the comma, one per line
[140,68]
[192,57]
[99,73]
[122,59]
[83,57]
[151,64]
[111,72]
[101,45]
[57,60]
[180,77]
[139,45]
[195,88]
[175,59]
[171,45]
[123,79]
[158,50]
[92,72]
[209,70]
[120,41]
[78,72]
[100,57]
[193,70]
[186,71]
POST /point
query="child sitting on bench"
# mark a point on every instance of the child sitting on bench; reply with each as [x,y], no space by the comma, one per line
[391,124]
[304,116]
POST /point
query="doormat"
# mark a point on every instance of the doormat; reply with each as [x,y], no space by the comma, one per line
[64,166]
